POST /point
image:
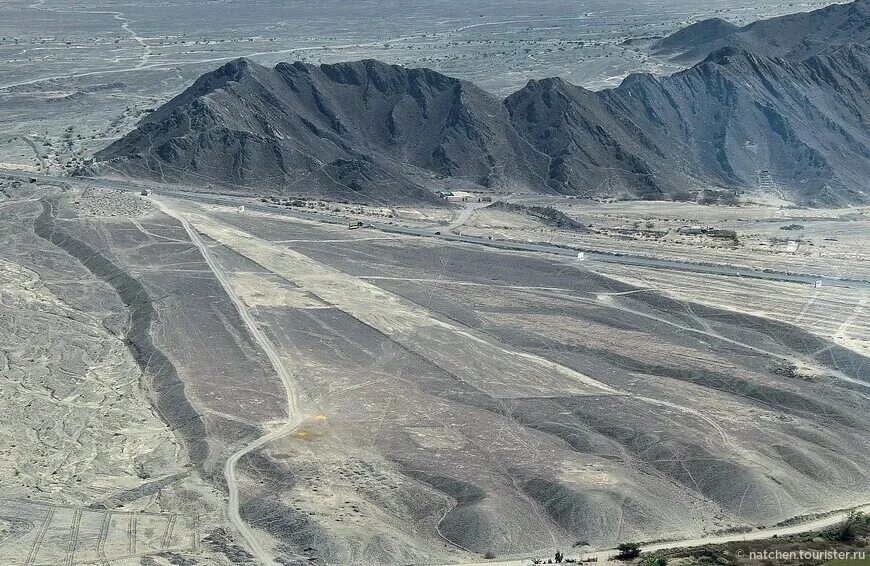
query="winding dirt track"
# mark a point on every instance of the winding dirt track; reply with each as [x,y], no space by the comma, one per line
[294,415]
[609,555]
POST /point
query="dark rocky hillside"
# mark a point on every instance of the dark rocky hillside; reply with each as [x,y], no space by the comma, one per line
[362,130]
[720,123]
[740,119]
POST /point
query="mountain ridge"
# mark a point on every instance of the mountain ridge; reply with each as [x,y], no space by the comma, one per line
[346,127]
[792,36]
[369,131]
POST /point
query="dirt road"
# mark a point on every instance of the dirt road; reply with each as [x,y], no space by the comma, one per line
[465,214]
[294,414]
[803,527]
[609,555]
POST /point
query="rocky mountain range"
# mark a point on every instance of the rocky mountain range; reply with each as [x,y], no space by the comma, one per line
[721,122]
[789,116]
[794,36]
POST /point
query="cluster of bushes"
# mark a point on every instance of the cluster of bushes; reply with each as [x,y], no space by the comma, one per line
[726,234]
[857,526]
[627,551]
[559,558]
[727,198]
[854,531]
[707,196]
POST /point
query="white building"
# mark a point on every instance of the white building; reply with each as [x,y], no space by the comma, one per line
[461,196]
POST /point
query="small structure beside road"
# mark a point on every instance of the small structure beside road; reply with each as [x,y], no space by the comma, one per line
[460,196]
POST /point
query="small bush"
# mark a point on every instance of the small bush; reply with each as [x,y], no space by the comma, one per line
[849,530]
[628,550]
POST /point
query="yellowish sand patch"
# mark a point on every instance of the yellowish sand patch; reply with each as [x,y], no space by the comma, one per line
[586,475]
[258,291]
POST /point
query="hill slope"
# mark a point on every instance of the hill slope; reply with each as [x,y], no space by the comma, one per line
[720,122]
[794,36]
[362,130]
